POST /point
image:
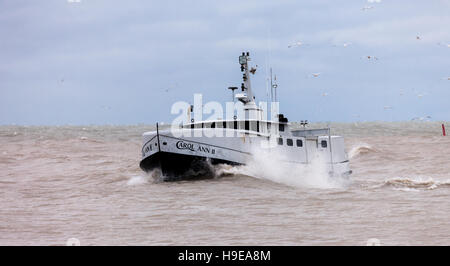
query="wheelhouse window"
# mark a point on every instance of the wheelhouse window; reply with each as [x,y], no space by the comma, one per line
[289,142]
[323,143]
[235,125]
[281,127]
[280,141]
[213,125]
[299,143]
[224,124]
[247,125]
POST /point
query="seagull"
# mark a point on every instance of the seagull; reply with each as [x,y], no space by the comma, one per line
[325,94]
[421,118]
[418,37]
[315,74]
[420,95]
[253,70]
[371,57]
[366,8]
[343,45]
[298,44]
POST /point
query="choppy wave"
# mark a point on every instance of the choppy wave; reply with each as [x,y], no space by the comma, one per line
[360,149]
[144,178]
[138,180]
[415,184]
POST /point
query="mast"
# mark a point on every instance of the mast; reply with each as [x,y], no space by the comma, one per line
[251,111]
[246,86]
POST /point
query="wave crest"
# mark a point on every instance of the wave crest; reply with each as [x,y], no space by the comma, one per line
[415,184]
[359,149]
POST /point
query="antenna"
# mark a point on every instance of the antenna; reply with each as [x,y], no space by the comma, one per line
[267,65]
[271,86]
[275,86]
[232,91]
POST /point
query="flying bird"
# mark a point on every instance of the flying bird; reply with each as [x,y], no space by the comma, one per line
[366,8]
[315,74]
[296,44]
[343,45]
[371,57]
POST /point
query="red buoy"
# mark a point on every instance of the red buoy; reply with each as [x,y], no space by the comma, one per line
[443,130]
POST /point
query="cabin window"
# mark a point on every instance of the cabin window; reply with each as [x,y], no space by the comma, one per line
[247,125]
[280,141]
[281,127]
[224,124]
[257,126]
[299,143]
[323,143]
[289,142]
[253,126]
[235,125]
[213,125]
[192,125]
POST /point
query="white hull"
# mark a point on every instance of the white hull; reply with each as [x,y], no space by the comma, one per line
[177,155]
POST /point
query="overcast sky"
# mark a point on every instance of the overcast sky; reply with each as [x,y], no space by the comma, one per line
[127,62]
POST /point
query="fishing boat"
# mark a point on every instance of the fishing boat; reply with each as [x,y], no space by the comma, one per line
[190,149]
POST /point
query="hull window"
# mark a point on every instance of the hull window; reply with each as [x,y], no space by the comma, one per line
[323,143]
[281,127]
[299,143]
[280,141]
[289,142]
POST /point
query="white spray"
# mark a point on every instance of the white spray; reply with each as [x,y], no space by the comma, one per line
[270,165]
